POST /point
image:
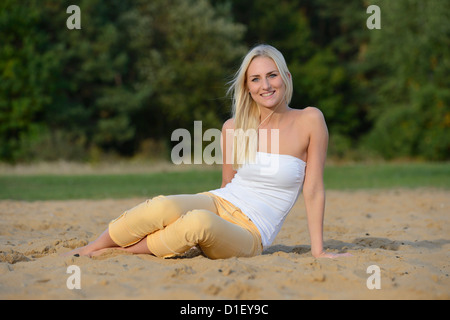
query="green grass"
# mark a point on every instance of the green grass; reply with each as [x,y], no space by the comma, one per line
[337,177]
[388,175]
[53,187]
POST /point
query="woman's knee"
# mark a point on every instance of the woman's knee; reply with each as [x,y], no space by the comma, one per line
[200,221]
[151,215]
[179,204]
[163,204]
[159,202]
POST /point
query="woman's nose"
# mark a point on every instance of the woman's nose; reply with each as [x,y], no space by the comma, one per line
[266,84]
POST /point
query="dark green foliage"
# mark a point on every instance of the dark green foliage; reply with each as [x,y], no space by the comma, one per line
[409,67]
[137,70]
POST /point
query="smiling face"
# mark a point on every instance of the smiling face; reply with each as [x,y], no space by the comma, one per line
[265,83]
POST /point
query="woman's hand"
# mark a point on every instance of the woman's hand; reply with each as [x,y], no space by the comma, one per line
[330,255]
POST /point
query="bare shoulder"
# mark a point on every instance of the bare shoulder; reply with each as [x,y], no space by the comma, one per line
[229,124]
[309,115]
[312,112]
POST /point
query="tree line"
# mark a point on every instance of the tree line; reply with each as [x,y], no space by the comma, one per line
[138,70]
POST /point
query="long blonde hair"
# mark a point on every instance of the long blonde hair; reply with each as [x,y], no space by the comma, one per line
[245,111]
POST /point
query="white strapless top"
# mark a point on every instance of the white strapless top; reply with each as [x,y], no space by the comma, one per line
[266,191]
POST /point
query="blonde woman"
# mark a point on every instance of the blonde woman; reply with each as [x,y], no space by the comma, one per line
[262,177]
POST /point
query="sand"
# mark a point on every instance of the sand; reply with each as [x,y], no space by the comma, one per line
[406,233]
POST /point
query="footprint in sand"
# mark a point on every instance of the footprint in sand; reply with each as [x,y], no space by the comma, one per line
[12,256]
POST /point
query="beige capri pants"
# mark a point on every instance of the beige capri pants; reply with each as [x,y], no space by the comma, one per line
[174,224]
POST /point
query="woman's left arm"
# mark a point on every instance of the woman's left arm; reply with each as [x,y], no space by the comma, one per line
[313,187]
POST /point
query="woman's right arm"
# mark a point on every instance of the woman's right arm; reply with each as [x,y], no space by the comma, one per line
[227,152]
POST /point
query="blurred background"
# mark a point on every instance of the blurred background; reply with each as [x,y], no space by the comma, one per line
[137,70]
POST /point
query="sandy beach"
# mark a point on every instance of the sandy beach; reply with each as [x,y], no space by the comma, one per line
[406,233]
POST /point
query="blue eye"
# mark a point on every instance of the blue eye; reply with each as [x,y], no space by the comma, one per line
[255,79]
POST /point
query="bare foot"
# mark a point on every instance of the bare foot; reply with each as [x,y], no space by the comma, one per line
[103,241]
[82,251]
[333,255]
[102,251]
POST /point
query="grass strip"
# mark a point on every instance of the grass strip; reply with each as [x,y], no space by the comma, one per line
[337,177]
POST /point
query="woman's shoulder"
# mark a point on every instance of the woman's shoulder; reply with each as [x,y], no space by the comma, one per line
[307,111]
[308,114]
[229,124]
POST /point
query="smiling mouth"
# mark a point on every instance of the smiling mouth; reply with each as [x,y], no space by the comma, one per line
[268,94]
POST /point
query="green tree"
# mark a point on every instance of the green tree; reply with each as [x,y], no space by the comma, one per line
[408,63]
[28,67]
[194,50]
[134,71]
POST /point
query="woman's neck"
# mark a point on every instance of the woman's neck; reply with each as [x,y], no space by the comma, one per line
[272,115]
